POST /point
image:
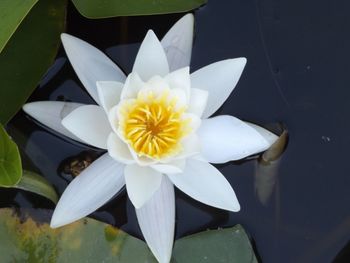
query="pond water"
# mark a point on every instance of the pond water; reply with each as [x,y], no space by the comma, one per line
[297,74]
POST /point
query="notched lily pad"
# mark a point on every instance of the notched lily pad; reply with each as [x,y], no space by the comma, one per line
[222,245]
[10,160]
[25,236]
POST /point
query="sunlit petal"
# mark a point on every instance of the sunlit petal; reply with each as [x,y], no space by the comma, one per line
[90,124]
[90,190]
[118,149]
[198,101]
[132,86]
[226,138]
[141,183]
[173,167]
[90,64]
[180,79]
[219,79]
[268,136]
[157,221]
[109,93]
[151,59]
[205,183]
[177,43]
[51,113]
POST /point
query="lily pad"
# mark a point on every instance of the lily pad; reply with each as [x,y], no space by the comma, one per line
[37,184]
[113,8]
[24,238]
[222,245]
[28,54]
[12,12]
[10,160]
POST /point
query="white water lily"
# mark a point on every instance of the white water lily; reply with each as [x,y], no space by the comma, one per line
[154,124]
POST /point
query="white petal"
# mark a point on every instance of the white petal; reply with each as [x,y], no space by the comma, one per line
[90,190]
[268,136]
[109,93]
[141,183]
[195,120]
[51,113]
[157,221]
[191,146]
[151,59]
[180,96]
[206,184]
[118,149]
[180,79]
[90,124]
[198,101]
[132,86]
[173,167]
[177,43]
[226,138]
[113,117]
[90,64]
[219,79]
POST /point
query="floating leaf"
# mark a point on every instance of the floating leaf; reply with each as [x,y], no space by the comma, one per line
[25,239]
[12,12]
[223,245]
[37,184]
[25,236]
[28,54]
[112,8]
[10,160]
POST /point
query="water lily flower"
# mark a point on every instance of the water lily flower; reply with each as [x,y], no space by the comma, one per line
[155,125]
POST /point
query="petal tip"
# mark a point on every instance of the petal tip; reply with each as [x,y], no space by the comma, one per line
[55,222]
[65,37]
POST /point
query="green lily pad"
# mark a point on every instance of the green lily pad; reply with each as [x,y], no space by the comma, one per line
[23,238]
[113,8]
[28,54]
[37,184]
[10,160]
[222,245]
[12,12]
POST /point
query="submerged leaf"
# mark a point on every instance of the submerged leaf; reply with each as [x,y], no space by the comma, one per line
[10,160]
[37,184]
[222,245]
[28,54]
[113,8]
[12,12]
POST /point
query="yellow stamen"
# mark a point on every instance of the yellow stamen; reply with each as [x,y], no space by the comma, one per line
[154,125]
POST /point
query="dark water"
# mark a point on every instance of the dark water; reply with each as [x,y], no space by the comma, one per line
[297,73]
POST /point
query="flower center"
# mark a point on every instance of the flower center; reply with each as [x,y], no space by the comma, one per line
[154,124]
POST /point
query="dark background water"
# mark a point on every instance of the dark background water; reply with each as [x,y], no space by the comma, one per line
[298,73]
